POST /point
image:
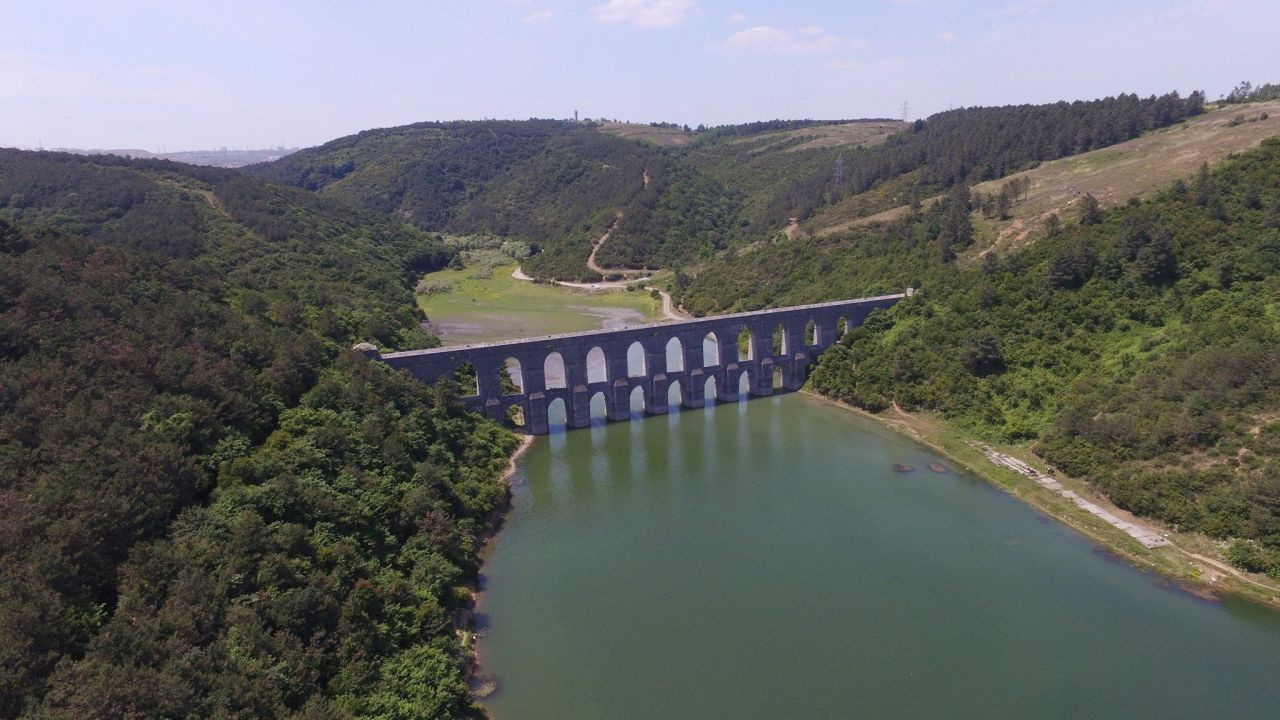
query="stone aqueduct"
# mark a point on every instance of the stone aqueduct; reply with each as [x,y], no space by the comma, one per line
[596,362]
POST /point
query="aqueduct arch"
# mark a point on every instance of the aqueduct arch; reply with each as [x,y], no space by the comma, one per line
[575,367]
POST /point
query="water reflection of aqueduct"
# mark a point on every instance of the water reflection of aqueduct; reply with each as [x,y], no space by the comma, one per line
[649,366]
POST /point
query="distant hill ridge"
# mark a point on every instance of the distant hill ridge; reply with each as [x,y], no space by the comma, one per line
[680,198]
[228,158]
[222,158]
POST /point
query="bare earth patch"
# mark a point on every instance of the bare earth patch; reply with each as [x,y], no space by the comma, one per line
[662,137]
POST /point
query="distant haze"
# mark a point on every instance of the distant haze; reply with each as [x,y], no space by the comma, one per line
[222,157]
[185,76]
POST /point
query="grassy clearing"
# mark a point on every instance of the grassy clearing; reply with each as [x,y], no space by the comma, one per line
[500,307]
[1194,561]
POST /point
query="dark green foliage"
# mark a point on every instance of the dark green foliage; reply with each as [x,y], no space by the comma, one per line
[1052,225]
[982,354]
[774,176]
[760,127]
[1141,352]
[209,508]
[681,217]
[349,266]
[426,171]
[956,232]
[1272,218]
[557,185]
[1246,92]
[1090,210]
[1072,265]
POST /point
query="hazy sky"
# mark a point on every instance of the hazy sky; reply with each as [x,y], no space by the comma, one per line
[193,75]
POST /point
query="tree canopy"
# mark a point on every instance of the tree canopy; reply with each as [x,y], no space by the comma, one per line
[212,508]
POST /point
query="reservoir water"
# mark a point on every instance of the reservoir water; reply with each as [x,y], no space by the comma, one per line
[765,560]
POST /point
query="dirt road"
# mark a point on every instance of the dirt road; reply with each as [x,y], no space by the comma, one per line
[669,310]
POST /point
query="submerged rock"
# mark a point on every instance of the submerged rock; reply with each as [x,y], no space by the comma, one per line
[483,686]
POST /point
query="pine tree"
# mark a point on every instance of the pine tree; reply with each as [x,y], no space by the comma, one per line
[1052,225]
[1090,211]
[1203,189]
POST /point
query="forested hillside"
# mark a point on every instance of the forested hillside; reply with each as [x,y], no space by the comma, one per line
[557,185]
[561,185]
[211,508]
[1138,347]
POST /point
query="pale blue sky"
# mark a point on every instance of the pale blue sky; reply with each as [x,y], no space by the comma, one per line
[178,75]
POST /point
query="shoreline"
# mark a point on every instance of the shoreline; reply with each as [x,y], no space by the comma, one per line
[526,441]
[480,684]
[1193,572]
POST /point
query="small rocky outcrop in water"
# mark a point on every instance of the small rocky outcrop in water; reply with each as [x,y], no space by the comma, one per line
[902,468]
[483,686]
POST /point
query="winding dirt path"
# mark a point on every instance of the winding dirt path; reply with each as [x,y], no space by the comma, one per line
[595,267]
[630,275]
[669,310]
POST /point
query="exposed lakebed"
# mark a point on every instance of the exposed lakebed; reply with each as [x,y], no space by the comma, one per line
[766,560]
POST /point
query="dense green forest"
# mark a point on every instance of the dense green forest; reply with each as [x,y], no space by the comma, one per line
[212,508]
[556,185]
[1137,347]
[561,185]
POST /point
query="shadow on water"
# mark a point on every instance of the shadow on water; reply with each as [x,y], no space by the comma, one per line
[1197,593]
[599,410]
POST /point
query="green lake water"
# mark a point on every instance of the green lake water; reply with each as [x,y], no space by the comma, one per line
[765,560]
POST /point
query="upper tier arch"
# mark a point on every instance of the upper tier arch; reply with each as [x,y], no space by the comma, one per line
[789,359]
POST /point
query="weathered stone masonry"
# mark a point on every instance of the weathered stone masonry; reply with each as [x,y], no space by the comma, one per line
[533,356]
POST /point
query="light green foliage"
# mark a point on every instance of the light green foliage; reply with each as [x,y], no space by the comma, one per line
[410,688]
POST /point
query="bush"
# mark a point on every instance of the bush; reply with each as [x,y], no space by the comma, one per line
[1249,555]
[429,287]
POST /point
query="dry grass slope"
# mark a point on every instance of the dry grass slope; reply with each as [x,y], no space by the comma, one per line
[662,137]
[1130,169]
[868,132]
[1113,175]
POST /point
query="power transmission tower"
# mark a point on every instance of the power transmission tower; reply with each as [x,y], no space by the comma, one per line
[905,109]
[840,171]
